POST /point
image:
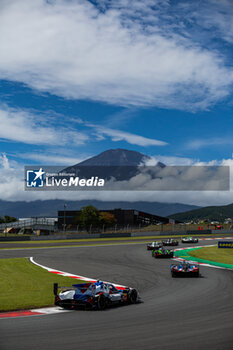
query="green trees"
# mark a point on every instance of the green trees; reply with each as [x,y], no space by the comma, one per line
[91,218]
[7,219]
[107,219]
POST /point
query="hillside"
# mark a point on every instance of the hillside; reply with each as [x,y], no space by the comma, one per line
[50,207]
[213,213]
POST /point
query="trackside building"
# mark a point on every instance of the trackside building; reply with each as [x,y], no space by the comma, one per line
[124,218]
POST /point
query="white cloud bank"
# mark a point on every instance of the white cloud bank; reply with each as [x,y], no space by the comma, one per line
[22,126]
[72,49]
[12,188]
[26,127]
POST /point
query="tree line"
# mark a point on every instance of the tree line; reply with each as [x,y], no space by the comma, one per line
[90,216]
[6,219]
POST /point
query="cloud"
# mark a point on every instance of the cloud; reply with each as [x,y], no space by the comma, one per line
[50,158]
[214,141]
[169,160]
[11,179]
[117,52]
[118,135]
[5,162]
[22,126]
[175,178]
[216,16]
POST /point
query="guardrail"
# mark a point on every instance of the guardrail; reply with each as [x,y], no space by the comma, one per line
[28,223]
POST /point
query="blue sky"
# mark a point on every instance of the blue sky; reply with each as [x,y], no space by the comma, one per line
[78,77]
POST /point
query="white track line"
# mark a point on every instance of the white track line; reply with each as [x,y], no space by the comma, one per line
[67,274]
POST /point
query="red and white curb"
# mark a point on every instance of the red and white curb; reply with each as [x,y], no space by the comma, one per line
[214,238]
[61,273]
[66,274]
[199,246]
[32,312]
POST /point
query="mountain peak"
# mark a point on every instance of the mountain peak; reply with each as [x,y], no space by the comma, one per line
[119,163]
[116,157]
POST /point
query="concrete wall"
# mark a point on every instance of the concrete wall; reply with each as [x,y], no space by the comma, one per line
[230,232]
[73,236]
[109,235]
[157,233]
[14,238]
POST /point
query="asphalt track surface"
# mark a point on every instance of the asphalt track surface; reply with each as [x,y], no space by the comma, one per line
[176,313]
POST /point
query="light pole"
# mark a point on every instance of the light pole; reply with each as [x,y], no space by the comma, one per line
[64,225]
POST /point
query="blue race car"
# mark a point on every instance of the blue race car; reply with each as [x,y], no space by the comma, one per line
[98,295]
[185,269]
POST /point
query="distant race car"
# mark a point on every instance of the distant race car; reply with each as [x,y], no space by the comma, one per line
[162,253]
[170,242]
[189,240]
[154,245]
[98,295]
[185,269]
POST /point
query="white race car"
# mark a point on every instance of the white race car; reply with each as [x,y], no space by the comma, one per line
[189,240]
[98,295]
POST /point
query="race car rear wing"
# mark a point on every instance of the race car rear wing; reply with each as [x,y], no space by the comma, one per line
[81,286]
[57,288]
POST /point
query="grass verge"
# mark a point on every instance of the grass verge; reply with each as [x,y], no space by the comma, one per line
[25,285]
[214,254]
